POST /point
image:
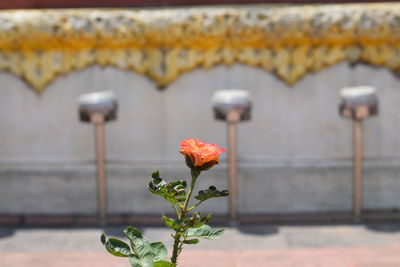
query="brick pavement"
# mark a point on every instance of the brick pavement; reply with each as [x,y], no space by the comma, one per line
[269,246]
[330,257]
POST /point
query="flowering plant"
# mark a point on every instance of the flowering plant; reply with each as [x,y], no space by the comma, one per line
[188,226]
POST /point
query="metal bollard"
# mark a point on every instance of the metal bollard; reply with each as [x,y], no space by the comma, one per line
[98,108]
[232,106]
[358,103]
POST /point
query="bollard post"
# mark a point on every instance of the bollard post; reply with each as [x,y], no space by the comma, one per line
[358,103]
[98,121]
[232,120]
[357,169]
[97,109]
[232,106]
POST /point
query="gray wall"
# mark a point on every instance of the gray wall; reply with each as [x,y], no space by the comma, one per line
[294,155]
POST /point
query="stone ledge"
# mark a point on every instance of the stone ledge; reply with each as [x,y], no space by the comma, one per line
[369,216]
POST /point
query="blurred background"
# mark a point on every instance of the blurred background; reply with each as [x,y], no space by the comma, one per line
[294,155]
[164,60]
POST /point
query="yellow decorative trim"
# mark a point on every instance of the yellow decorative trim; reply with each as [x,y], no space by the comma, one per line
[162,44]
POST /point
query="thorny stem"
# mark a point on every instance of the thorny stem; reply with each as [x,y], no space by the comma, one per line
[181,215]
[175,254]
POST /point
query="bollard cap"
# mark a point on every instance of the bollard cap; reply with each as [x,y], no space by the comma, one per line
[104,103]
[237,100]
[231,97]
[361,95]
[358,102]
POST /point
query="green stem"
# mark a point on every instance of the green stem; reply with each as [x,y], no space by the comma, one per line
[184,210]
[195,173]
[176,210]
[175,254]
[194,206]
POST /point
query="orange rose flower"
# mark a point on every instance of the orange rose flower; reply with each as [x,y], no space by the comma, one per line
[199,154]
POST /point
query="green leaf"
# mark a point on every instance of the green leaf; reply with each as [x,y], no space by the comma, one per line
[103,239]
[134,261]
[207,218]
[170,223]
[211,192]
[116,247]
[191,241]
[176,190]
[139,244]
[147,260]
[156,176]
[205,231]
[132,232]
[159,251]
[163,264]
[173,192]
[194,221]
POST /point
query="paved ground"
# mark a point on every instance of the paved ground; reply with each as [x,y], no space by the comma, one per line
[336,246]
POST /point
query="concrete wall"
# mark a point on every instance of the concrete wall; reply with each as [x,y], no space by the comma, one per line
[294,155]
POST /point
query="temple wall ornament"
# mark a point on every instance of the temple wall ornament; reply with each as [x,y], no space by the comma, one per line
[290,41]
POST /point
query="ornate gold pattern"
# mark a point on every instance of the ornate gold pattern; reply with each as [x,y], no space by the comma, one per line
[162,44]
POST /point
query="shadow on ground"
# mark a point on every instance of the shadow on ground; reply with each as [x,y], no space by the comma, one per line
[259,230]
[116,231]
[6,232]
[386,228]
